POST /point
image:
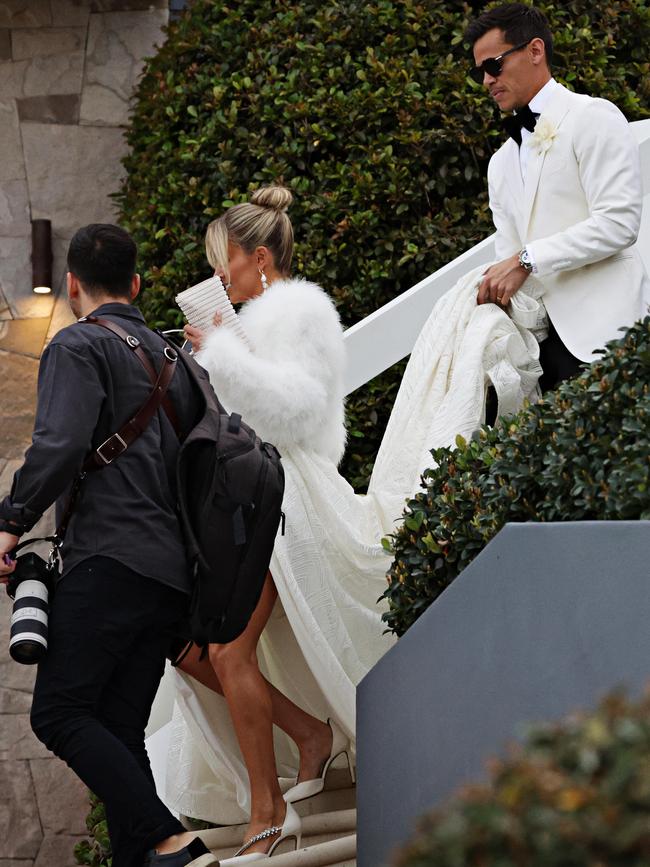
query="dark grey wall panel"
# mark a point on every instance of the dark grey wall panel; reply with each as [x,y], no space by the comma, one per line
[547,619]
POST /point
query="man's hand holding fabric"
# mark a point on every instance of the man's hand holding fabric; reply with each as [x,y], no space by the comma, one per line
[501,281]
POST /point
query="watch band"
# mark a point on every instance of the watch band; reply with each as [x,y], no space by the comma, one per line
[524,260]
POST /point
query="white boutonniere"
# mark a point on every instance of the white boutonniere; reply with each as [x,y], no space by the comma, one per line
[544,135]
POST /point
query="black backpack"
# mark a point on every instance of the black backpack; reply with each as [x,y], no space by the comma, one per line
[230,488]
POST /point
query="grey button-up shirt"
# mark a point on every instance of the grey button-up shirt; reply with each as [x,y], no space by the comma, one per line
[90,383]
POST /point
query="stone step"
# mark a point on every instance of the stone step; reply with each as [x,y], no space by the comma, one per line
[310,844]
[316,829]
[328,801]
[335,853]
[329,822]
[338,777]
[337,795]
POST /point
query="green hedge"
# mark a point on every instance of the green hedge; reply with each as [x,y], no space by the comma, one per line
[576,794]
[365,110]
[583,453]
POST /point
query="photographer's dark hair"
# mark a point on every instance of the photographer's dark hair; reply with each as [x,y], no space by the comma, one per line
[102,257]
[518,22]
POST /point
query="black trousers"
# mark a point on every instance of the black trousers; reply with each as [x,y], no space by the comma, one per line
[557,364]
[109,632]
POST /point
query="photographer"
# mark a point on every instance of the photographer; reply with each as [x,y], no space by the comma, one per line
[125,580]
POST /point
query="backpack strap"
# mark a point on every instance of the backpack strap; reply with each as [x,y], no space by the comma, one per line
[119,442]
[129,432]
[134,345]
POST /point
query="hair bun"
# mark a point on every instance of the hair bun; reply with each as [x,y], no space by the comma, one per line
[275,197]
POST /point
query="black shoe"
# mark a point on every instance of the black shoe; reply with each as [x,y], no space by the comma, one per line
[195,853]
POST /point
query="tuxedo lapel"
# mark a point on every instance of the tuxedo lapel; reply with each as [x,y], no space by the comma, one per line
[513,174]
[515,182]
[531,183]
[554,113]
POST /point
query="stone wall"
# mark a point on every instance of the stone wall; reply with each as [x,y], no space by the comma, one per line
[67,71]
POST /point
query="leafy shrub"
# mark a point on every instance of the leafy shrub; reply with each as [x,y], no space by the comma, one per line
[365,111]
[583,453]
[95,852]
[577,793]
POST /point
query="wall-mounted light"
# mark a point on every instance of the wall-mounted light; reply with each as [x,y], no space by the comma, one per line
[42,256]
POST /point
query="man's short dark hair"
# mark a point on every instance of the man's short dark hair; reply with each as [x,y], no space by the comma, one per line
[518,23]
[102,257]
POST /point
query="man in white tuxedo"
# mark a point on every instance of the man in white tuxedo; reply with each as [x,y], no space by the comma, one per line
[565,192]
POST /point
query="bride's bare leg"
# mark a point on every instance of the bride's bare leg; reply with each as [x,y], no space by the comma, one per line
[251,710]
[312,737]
[249,702]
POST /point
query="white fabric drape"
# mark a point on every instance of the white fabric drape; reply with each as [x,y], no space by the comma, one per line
[329,568]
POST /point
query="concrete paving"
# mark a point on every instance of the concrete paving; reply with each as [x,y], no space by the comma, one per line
[42,804]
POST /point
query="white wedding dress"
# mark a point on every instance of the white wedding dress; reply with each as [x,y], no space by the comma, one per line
[329,568]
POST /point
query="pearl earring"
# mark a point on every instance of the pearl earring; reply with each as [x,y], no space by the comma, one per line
[264,280]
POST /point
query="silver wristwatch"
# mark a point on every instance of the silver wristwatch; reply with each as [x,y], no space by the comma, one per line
[524,260]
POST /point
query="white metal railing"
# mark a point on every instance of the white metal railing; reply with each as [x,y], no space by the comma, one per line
[388,335]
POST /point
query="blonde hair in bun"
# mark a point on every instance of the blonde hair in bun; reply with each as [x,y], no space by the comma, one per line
[274,197]
[262,222]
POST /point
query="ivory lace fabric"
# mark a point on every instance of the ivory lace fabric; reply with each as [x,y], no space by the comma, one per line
[329,568]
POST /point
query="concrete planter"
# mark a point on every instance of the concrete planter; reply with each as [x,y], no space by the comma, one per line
[546,620]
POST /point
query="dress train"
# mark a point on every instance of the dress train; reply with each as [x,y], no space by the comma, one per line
[325,632]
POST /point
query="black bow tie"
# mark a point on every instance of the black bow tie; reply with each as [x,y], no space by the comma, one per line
[514,124]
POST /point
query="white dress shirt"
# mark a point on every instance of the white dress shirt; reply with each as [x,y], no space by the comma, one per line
[537,105]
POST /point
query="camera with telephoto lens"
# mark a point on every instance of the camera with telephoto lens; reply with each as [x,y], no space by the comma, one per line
[30,586]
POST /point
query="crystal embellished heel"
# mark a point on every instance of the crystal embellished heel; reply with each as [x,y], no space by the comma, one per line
[290,830]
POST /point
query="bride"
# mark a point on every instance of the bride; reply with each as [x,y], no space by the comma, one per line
[325,633]
[317,629]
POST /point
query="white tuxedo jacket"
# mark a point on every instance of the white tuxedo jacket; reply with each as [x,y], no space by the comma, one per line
[579,210]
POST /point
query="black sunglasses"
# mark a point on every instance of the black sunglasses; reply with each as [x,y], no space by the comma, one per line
[494,65]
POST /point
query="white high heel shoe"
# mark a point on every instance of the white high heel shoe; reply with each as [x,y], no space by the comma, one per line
[290,828]
[308,788]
